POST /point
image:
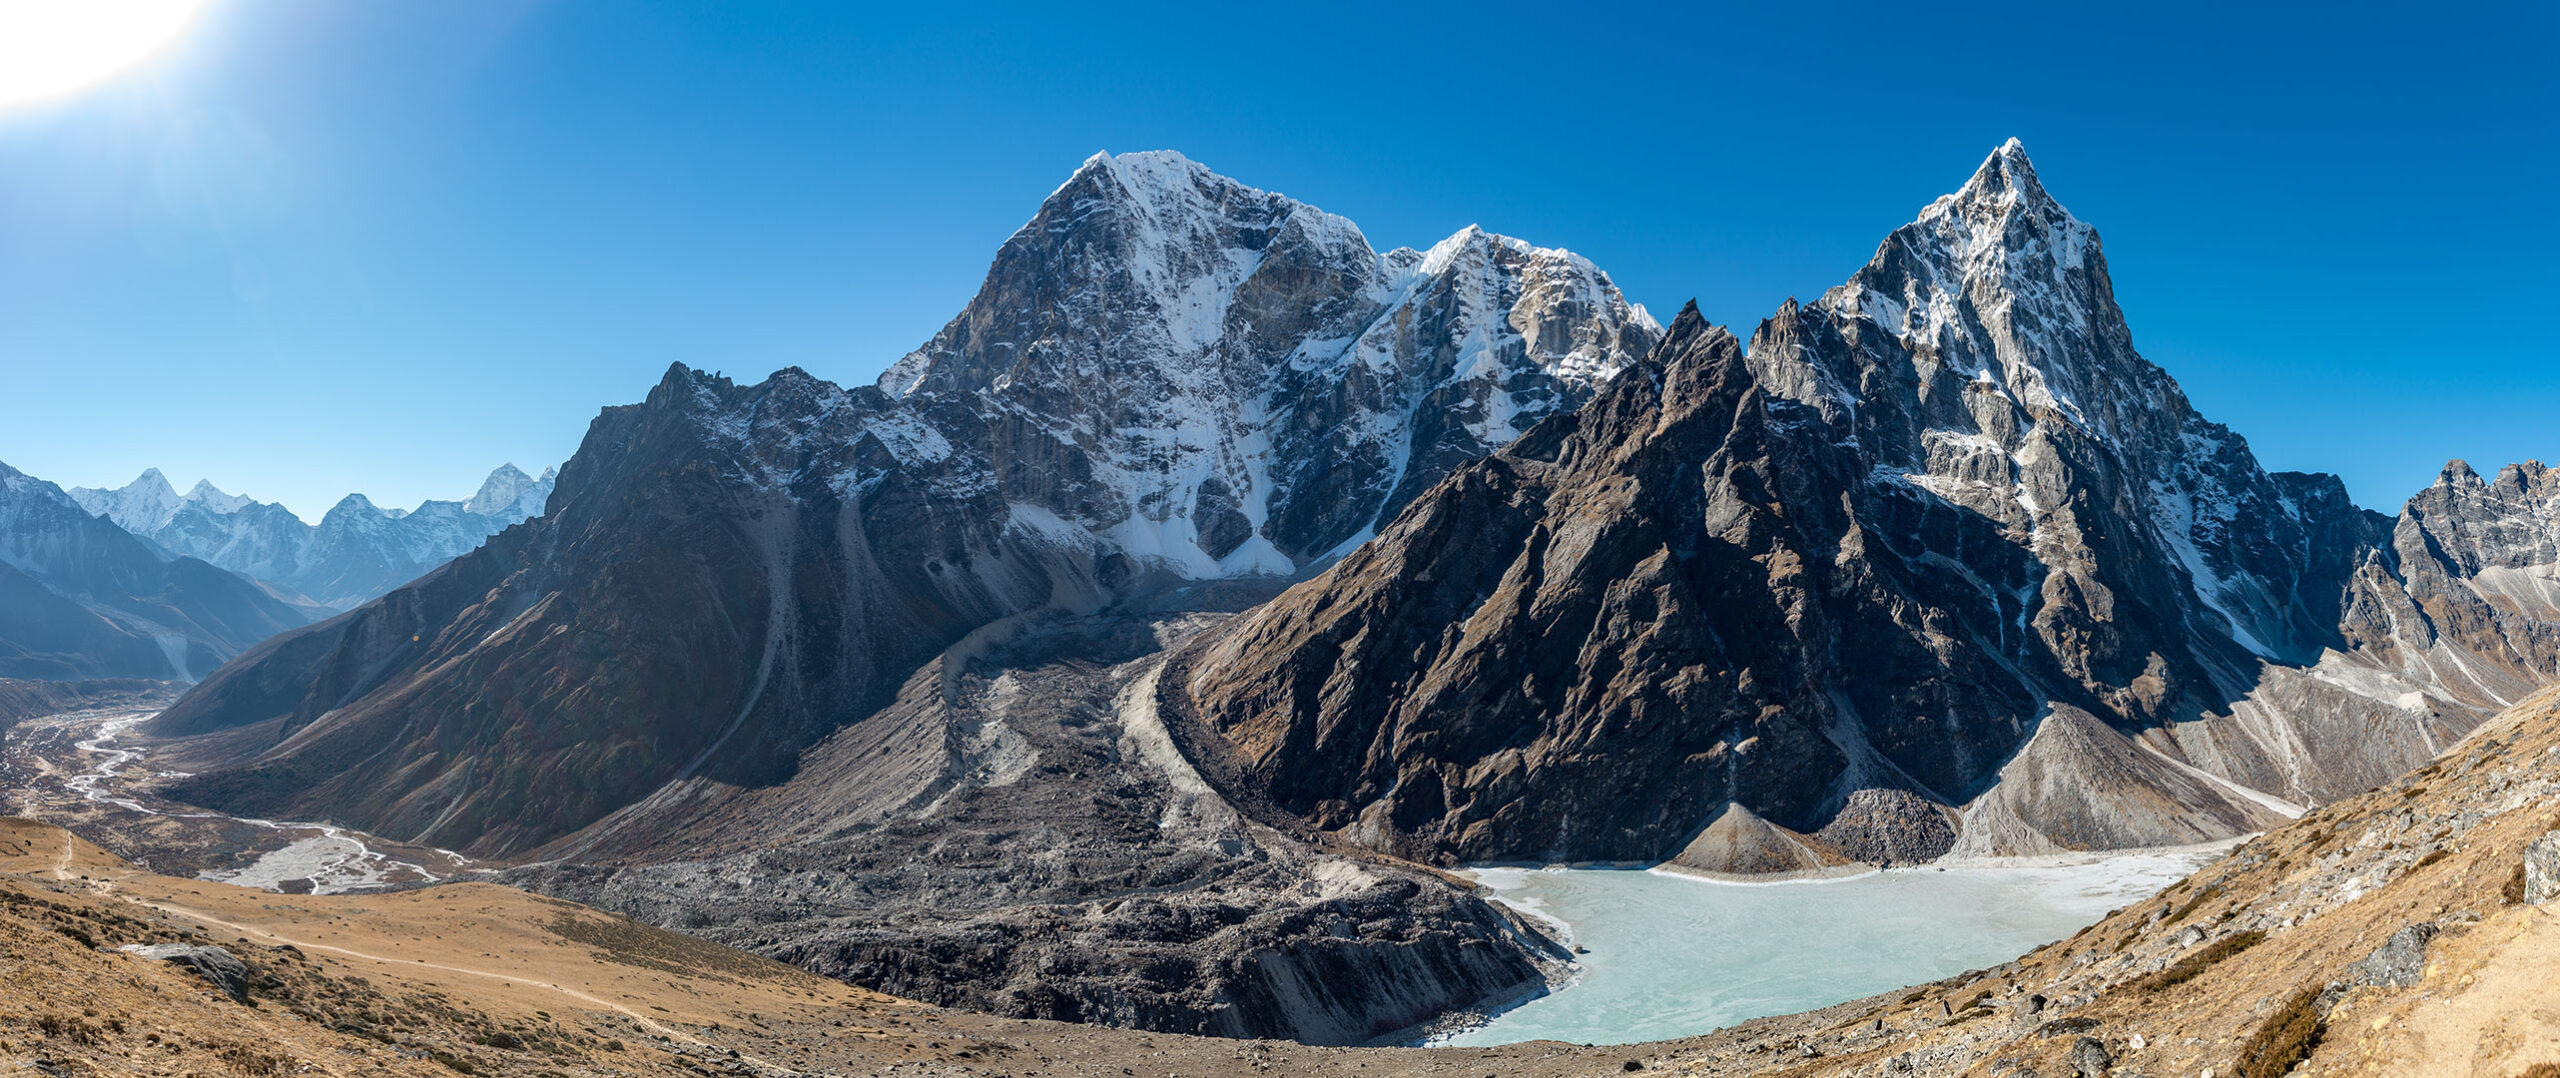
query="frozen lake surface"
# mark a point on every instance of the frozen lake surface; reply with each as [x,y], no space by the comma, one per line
[1674,955]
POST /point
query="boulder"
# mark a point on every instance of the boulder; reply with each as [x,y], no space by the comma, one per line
[2399,962]
[220,967]
[2089,1057]
[2542,869]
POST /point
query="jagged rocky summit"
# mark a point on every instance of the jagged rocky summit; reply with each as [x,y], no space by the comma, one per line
[357,552]
[1938,564]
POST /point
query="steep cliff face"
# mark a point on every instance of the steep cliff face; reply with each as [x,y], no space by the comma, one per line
[1941,563]
[707,597]
[1168,377]
[2447,617]
[80,598]
[2468,601]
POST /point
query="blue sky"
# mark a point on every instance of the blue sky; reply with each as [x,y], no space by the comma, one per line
[320,246]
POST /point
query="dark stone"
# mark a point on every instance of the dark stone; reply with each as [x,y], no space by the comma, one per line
[2064,1027]
[2400,962]
[2089,1056]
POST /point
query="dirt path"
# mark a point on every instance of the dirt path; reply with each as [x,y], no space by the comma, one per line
[62,864]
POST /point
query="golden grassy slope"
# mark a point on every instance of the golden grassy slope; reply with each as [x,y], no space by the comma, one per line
[477,978]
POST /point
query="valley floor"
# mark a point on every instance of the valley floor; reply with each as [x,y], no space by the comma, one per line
[481,979]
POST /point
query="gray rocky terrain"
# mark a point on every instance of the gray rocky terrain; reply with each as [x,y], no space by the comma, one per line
[1015,834]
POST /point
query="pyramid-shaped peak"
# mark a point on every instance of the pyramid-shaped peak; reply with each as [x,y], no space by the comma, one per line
[153,484]
[215,499]
[2006,179]
[500,491]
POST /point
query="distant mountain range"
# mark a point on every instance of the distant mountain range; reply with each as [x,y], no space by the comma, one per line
[1937,564]
[81,598]
[142,582]
[356,552]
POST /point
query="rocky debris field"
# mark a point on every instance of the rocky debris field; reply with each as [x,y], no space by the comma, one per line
[1017,835]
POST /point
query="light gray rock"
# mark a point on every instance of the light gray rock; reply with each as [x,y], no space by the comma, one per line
[2542,869]
[2089,1056]
[219,967]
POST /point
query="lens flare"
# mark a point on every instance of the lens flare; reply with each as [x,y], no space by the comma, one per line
[52,47]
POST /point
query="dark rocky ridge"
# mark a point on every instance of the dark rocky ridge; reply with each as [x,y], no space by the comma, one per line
[1942,564]
[28,699]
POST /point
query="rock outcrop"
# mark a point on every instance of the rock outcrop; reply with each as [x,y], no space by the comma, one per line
[2541,870]
[219,968]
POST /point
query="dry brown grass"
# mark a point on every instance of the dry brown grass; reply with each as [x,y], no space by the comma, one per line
[2284,1039]
[2193,966]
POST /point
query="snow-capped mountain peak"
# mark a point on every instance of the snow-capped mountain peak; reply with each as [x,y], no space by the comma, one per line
[508,491]
[358,550]
[1227,360]
[214,500]
[141,506]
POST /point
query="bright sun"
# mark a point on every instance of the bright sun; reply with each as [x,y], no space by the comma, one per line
[50,47]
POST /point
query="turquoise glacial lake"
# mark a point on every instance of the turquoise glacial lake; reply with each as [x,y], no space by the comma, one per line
[1672,955]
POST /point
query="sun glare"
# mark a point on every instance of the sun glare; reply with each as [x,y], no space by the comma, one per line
[52,47]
